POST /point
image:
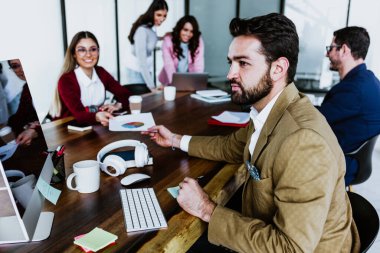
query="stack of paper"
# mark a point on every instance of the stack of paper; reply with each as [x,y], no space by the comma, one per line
[228,118]
[211,96]
[211,93]
[95,240]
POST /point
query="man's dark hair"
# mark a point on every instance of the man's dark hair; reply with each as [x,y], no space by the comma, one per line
[277,34]
[356,38]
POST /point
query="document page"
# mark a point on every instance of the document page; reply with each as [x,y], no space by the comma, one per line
[132,122]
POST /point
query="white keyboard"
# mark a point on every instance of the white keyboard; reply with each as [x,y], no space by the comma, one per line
[141,210]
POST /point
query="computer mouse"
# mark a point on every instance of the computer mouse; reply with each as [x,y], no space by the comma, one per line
[134,178]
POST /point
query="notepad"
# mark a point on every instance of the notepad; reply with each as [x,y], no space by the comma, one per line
[96,239]
[78,127]
[211,93]
[233,117]
[212,100]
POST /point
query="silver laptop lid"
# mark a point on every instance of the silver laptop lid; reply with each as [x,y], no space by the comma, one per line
[190,81]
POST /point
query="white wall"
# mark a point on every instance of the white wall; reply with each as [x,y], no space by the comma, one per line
[31,31]
[365,13]
[98,17]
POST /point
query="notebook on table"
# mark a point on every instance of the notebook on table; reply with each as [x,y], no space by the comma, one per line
[190,81]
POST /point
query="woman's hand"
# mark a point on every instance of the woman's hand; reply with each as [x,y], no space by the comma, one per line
[111,108]
[103,117]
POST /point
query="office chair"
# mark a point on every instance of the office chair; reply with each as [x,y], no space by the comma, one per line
[366,220]
[364,157]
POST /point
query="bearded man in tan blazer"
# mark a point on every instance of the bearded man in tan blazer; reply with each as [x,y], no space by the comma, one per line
[294,197]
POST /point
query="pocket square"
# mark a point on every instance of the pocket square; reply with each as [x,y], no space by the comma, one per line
[253,171]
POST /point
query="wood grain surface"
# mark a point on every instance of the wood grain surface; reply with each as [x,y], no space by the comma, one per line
[77,213]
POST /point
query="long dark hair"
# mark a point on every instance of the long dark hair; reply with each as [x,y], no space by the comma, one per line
[194,41]
[148,17]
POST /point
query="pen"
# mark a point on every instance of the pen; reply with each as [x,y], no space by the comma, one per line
[60,152]
[119,113]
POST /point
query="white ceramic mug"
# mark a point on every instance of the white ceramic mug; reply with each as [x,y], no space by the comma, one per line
[87,176]
[169,93]
[135,104]
[23,189]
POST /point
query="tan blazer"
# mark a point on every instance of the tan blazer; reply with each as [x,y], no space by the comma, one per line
[300,203]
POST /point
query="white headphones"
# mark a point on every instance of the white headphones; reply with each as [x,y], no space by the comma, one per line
[119,164]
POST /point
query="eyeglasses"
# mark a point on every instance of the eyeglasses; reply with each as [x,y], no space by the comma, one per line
[329,48]
[83,51]
[15,66]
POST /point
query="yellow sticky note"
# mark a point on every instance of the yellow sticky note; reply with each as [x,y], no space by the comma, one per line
[96,239]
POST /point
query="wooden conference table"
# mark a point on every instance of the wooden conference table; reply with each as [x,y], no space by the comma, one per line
[77,213]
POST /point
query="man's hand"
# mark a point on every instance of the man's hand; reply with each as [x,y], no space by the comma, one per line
[103,117]
[163,136]
[194,200]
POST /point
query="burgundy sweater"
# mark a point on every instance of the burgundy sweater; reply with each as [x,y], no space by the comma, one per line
[69,93]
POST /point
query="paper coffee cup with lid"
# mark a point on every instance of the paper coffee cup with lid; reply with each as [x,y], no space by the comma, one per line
[135,104]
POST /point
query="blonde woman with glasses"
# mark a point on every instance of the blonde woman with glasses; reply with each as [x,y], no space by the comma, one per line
[81,89]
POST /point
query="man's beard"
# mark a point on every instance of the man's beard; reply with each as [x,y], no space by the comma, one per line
[333,65]
[254,94]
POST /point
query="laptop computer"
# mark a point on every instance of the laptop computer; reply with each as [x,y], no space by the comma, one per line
[190,81]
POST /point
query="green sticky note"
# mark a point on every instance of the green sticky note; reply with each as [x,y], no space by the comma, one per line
[173,191]
[49,192]
[96,239]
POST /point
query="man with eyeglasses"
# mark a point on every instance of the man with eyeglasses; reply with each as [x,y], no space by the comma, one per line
[352,107]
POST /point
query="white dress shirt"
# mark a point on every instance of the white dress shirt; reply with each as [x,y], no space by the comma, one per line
[258,121]
[92,90]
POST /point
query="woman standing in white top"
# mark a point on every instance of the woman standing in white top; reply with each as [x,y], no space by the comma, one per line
[143,38]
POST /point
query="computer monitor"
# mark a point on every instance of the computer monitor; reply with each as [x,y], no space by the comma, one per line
[24,161]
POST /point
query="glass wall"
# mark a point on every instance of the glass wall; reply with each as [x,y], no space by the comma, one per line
[215,32]
[315,22]
[252,8]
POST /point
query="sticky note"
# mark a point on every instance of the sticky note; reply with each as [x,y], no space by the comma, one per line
[84,249]
[174,191]
[49,192]
[96,239]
